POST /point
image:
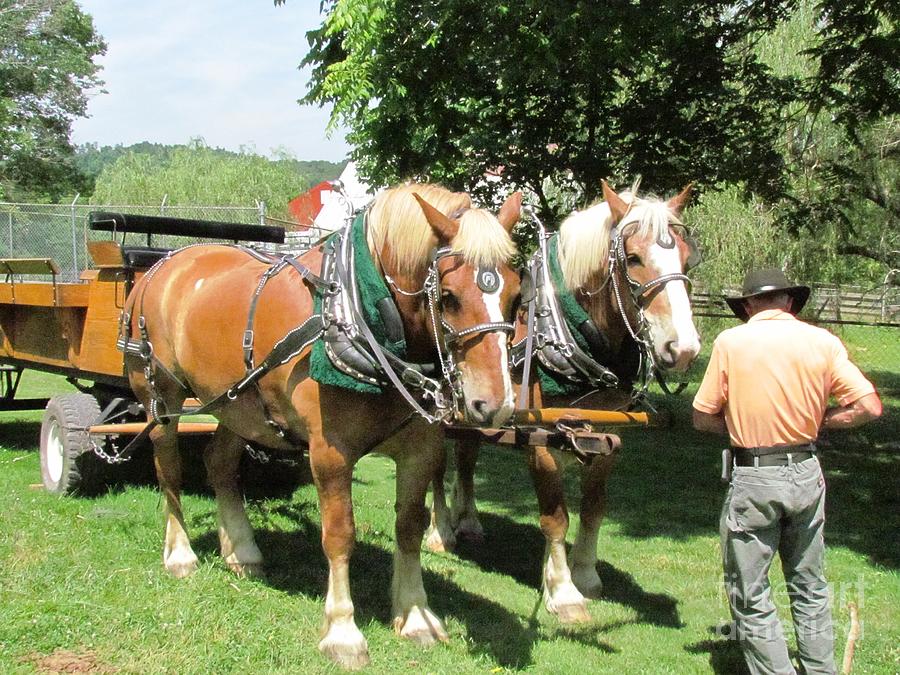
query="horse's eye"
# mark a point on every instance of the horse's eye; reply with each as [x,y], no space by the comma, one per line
[633,259]
[449,301]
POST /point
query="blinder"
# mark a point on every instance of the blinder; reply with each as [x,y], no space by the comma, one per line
[527,287]
[694,256]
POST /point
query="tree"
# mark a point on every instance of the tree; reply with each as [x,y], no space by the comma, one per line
[198,175]
[564,92]
[844,143]
[92,159]
[47,52]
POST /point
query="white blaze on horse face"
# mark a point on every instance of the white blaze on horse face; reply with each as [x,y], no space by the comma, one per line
[495,314]
[675,338]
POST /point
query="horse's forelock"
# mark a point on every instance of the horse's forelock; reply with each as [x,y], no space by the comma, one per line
[397,223]
[482,240]
[651,217]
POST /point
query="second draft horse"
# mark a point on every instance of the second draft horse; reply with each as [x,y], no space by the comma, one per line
[619,266]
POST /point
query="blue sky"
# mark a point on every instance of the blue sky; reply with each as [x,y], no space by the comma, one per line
[226,70]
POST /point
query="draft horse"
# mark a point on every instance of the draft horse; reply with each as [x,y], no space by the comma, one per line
[623,262]
[186,335]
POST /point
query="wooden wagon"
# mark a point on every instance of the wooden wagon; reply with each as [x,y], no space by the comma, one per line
[70,328]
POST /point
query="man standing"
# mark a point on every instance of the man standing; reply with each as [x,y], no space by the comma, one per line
[767,386]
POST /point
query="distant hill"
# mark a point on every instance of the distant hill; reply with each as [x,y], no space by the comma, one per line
[91,159]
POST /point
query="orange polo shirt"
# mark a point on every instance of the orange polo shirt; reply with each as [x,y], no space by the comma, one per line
[773,376]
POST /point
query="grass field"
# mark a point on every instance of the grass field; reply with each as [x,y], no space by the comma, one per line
[82,588]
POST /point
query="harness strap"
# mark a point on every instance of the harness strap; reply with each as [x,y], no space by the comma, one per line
[380,354]
[522,403]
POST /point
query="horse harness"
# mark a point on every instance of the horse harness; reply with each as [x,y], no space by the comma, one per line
[349,341]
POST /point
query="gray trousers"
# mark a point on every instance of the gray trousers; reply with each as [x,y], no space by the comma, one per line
[769,509]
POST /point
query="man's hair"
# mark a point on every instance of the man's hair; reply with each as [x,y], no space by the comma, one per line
[773,300]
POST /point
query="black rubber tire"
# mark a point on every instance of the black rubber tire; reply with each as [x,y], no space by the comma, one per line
[68,464]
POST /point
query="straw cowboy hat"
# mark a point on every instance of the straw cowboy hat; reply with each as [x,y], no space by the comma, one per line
[761,282]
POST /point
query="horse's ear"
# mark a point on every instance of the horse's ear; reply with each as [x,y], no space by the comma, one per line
[679,201]
[511,211]
[617,206]
[444,227]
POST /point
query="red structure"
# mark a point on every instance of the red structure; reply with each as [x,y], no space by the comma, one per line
[304,208]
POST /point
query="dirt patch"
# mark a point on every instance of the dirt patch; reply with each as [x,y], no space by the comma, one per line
[64,661]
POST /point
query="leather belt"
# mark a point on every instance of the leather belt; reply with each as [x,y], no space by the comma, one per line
[776,455]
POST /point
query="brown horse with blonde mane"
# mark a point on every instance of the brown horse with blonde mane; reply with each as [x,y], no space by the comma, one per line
[623,261]
[188,318]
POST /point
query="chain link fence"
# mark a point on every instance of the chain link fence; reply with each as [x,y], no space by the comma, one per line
[61,231]
[866,319]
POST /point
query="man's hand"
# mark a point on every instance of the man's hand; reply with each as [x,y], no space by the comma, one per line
[714,424]
[859,412]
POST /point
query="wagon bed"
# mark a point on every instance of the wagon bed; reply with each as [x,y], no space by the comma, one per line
[70,328]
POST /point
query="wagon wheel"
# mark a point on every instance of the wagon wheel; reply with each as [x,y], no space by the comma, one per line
[68,464]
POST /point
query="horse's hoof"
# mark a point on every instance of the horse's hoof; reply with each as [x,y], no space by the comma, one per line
[248,570]
[470,529]
[569,614]
[422,627]
[435,543]
[567,604]
[588,583]
[350,653]
[182,568]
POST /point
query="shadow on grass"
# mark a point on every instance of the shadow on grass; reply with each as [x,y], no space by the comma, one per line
[725,655]
[667,484]
[296,564]
[657,609]
[20,435]
[516,550]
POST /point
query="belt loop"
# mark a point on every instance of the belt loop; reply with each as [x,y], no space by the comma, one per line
[790,459]
[755,461]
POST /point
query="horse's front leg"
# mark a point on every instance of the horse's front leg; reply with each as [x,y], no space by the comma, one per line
[593,508]
[332,471]
[561,597]
[464,513]
[178,556]
[440,536]
[417,450]
[222,458]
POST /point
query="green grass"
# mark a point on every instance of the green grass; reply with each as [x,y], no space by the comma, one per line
[85,575]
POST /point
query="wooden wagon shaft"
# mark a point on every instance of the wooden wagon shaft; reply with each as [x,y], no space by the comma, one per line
[605,417]
[594,443]
[134,428]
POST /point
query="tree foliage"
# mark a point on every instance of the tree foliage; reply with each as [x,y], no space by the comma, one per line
[47,68]
[570,91]
[197,174]
[92,159]
[562,94]
[843,140]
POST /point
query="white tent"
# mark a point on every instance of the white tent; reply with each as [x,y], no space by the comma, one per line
[334,209]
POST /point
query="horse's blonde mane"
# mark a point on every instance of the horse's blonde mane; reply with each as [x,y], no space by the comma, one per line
[584,237]
[397,224]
